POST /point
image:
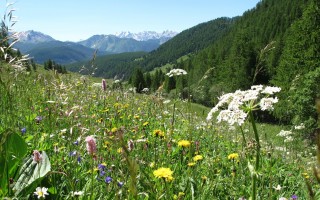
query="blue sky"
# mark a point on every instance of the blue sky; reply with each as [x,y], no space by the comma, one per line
[76,20]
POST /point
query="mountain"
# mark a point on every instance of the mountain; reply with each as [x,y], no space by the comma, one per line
[187,42]
[61,52]
[42,47]
[28,39]
[114,44]
[128,42]
[148,35]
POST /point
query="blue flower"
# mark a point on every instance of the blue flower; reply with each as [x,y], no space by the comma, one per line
[101,166]
[120,184]
[79,159]
[76,142]
[23,130]
[294,197]
[108,179]
[102,173]
[73,153]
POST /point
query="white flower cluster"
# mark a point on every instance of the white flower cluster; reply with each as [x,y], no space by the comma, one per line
[299,127]
[234,106]
[176,72]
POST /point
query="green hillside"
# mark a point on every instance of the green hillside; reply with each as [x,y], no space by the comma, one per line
[109,66]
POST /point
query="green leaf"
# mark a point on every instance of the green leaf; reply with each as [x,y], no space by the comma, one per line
[30,174]
[13,149]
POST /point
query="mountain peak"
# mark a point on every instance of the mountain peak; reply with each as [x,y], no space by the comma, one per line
[32,36]
[146,35]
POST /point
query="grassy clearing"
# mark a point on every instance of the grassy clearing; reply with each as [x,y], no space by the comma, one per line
[115,144]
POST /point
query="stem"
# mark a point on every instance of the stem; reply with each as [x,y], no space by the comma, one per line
[254,176]
[243,138]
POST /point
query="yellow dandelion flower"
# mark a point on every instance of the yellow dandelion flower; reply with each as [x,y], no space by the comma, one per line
[191,164]
[145,124]
[163,172]
[99,120]
[184,143]
[197,157]
[114,129]
[233,156]
[305,175]
[158,133]
[120,150]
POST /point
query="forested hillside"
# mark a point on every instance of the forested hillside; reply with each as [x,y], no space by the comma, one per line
[109,66]
[274,43]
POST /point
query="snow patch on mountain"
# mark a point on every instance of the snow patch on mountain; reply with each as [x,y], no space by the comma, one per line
[147,35]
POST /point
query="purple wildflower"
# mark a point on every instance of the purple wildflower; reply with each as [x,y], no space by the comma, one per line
[73,153]
[294,197]
[108,179]
[120,184]
[38,119]
[79,159]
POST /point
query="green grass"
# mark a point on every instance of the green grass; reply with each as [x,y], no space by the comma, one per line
[128,151]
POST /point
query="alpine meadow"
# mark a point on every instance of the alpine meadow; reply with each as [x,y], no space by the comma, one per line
[227,109]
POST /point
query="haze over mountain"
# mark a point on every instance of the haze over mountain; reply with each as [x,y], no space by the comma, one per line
[42,47]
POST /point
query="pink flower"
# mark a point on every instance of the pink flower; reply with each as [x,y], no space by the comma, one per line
[104,85]
[37,157]
[91,145]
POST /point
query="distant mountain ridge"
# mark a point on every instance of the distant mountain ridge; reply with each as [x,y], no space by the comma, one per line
[42,47]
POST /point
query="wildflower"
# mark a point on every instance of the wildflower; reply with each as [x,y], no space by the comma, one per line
[120,184]
[108,179]
[284,133]
[145,90]
[41,192]
[176,72]
[197,157]
[267,103]
[76,142]
[278,188]
[270,90]
[191,164]
[184,143]
[103,85]
[158,133]
[299,127]
[23,130]
[114,129]
[79,159]
[73,153]
[102,166]
[233,156]
[91,145]
[239,103]
[151,164]
[165,173]
[77,193]
[38,119]
[145,124]
[37,157]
